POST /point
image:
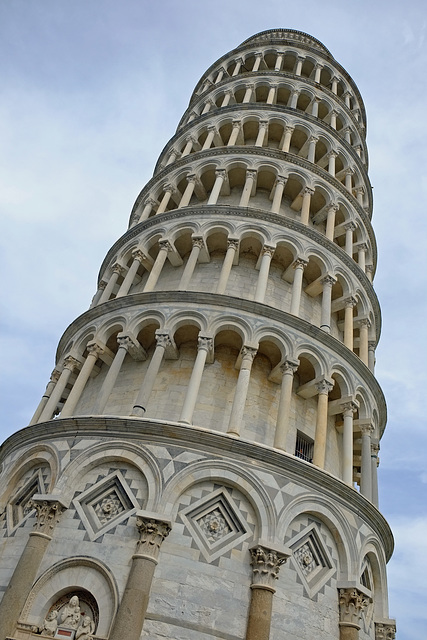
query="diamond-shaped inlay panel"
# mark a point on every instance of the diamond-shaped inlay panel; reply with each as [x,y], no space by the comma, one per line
[106,504]
[216,524]
[18,509]
[312,559]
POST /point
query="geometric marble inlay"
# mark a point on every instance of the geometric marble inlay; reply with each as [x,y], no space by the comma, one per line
[19,507]
[105,504]
[215,523]
[312,559]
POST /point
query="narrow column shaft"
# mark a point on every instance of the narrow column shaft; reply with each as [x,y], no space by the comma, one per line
[319,451]
[191,264]
[371,355]
[278,194]
[227,97]
[69,365]
[239,400]
[363,341]
[94,352]
[189,189]
[238,66]
[348,322]
[140,405]
[209,138]
[204,345]
[96,298]
[366,471]
[263,126]
[248,93]
[288,368]
[207,106]
[165,200]
[369,270]
[287,138]
[315,107]
[234,133]
[306,201]
[331,166]
[334,119]
[361,255]
[325,320]
[247,189]
[220,75]
[111,377]
[24,575]
[349,180]
[299,266]
[220,177]
[138,257]
[157,266]
[258,58]
[347,443]
[117,270]
[45,397]
[349,228]
[294,98]
[279,61]
[188,147]
[334,85]
[172,156]
[298,69]
[330,222]
[261,287]
[271,94]
[130,616]
[312,149]
[232,246]
[317,72]
[374,472]
[150,202]
[359,195]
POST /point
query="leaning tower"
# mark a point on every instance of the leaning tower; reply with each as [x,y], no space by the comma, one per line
[203,462]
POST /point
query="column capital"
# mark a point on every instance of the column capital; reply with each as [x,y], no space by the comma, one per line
[205,343]
[197,241]
[233,243]
[370,268]
[296,92]
[94,349]
[281,180]
[367,429]
[102,284]
[300,263]
[364,322]
[268,249]
[349,171]
[236,124]
[71,363]
[152,530]
[308,191]
[359,190]
[251,173]
[117,268]
[348,408]
[55,375]
[313,139]
[351,604]
[375,449]
[332,154]
[289,367]
[165,245]
[191,177]
[48,511]
[350,226]
[266,563]
[137,254]
[328,280]
[263,124]
[350,301]
[248,352]
[213,128]
[168,188]
[372,345]
[150,200]
[385,630]
[334,206]
[221,173]
[289,128]
[324,387]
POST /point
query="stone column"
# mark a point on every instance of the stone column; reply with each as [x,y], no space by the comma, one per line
[300,61]
[94,351]
[351,604]
[48,511]
[234,133]
[288,369]
[172,156]
[305,208]
[248,187]
[299,266]
[188,146]
[205,345]
[156,270]
[130,616]
[330,221]
[209,138]
[366,470]
[238,66]
[258,58]
[232,246]
[349,180]
[375,447]
[346,97]
[315,107]
[311,156]
[334,119]
[317,71]
[347,442]
[363,340]
[220,75]
[45,397]
[124,343]
[261,287]
[248,93]
[262,131]
[168,190]
[150,202]
[216,189]
[369,270]
[279,61]
[208,106]
[319,451]
[350,303]
[227,97]
[325,320]
[294,98]
[138,258]
[186,196]
[287,138]
[331,165]
[349,228]
[271,94]
[334,85]
[98,294]
[359,195]
[191,263]
[371,355]
[278,193]
[266,563]
[385,630]
[117,271]
[70,364]
[361,255]
[164,342]
[241,391]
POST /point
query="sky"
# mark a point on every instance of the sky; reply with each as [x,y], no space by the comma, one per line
[91,91]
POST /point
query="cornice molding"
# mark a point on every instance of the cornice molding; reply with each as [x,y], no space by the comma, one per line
[193,437]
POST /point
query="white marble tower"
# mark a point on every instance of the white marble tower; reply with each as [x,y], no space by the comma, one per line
[203,463]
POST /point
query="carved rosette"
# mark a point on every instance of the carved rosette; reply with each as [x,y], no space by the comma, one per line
[385,631]
[265,565]
[152,532]
[48,513]
[352,602]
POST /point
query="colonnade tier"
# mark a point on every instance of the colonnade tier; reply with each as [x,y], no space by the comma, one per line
[286,52]
[275,128]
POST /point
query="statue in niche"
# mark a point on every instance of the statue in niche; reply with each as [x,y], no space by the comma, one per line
[86,629]
[70,614]
[50,625]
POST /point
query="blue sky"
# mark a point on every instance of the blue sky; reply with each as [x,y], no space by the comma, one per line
[91,90]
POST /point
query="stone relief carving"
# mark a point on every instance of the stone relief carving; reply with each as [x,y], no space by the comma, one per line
[70,614]
[86,629]
[50,624]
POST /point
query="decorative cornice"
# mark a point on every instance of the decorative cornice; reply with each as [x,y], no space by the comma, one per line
[221,444]
[260,310]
